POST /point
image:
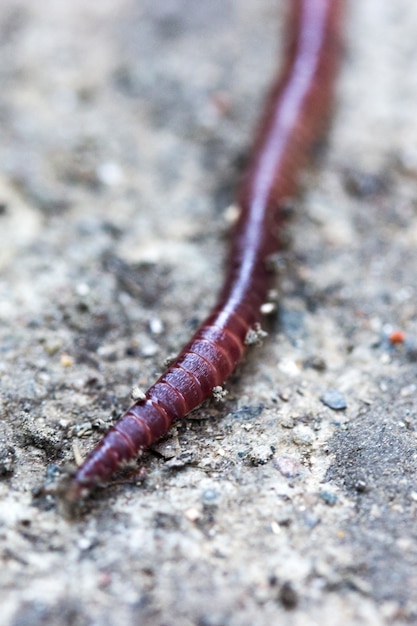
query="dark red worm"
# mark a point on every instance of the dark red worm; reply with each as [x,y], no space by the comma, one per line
[294,116]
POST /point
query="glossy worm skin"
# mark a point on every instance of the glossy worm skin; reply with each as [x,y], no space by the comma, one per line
[294,116]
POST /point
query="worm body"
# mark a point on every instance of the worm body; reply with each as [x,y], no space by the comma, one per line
[294,116]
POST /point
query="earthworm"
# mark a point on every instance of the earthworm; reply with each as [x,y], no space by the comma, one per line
[294,116]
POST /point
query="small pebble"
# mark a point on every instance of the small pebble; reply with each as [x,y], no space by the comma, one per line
[52,472]
[109,173]
[302,438]
[137,394]
[181,460]
[364,184]
[156,326]
[316,363]
[361,485]
[66,360]
[408,390]
[288,467]
[149,349]
[255,335]
[104,580]
[268,307]
[7,460]
[218,393]
[288,596]
[334,399]
[231,214]
[260,455]
[52,347]
[209,496]
[82,289]
[192,514]
[284,395]
[287,422]
[396,337]
[329,498]
[84,543]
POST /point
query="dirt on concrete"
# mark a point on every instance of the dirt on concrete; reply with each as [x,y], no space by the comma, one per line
[123,129]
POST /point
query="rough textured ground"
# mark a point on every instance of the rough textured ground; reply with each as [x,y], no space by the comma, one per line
[122,132]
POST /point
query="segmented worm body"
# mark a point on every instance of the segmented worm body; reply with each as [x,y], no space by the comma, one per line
[294,116]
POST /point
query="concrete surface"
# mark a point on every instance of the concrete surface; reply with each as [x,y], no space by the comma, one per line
[123,127]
